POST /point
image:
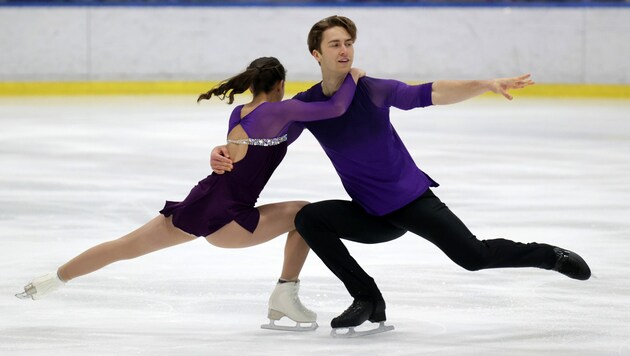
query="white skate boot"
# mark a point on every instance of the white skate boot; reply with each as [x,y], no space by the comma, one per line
[284,301]
[41,286]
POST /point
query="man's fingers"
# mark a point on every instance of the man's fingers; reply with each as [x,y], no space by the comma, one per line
[221,159]
[225,152]
[220,151]
[518,84]
[215,157]
[505,84]
[524,80]
[524,83]
[222,166]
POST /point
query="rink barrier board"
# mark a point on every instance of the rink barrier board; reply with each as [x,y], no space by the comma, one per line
[196,88]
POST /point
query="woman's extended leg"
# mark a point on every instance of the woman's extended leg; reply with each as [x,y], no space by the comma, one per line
[155,235]
[152,236]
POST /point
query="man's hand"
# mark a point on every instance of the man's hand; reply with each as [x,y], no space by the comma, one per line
[446,92]
[220,160]
[502,85]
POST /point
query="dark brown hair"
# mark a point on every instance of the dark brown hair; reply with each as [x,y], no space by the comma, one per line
[316,33]
[261,75]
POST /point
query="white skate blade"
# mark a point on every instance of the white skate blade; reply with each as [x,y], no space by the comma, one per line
[353,333]
[23,295]
[29,290]
[298,327]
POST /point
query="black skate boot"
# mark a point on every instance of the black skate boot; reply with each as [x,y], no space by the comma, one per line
[571,264]
[378,312]
[359,311]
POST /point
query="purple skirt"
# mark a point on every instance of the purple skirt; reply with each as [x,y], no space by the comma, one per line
[221,198]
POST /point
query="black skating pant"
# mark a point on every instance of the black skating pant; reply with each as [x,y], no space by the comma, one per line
[325,223]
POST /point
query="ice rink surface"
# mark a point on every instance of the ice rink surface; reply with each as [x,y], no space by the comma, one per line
[77,171]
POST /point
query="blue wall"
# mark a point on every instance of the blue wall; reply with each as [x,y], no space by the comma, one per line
[315,3]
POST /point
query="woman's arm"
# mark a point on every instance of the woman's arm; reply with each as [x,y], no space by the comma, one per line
[295,110]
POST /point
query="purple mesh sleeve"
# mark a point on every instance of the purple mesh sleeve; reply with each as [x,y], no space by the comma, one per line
[274,119]
[294,131]
[388,92]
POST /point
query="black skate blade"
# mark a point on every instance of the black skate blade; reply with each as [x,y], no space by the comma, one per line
[298,327]
[353,333]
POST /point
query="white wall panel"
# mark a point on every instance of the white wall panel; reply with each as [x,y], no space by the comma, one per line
[557,45]
[607,46]
[41,43]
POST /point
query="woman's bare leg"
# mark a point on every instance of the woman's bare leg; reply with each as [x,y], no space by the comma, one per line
[155,235]
[275,219]
[295,253]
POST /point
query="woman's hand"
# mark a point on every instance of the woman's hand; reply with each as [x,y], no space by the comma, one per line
[357,73]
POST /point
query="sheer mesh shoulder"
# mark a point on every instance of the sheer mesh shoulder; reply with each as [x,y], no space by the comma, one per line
[387,92]
[274,119]
[294,131]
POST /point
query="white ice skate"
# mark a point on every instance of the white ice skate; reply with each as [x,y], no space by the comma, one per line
[41,286]
[284,301]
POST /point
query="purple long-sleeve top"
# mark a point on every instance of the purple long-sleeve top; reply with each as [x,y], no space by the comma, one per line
[375,168]
[273,119]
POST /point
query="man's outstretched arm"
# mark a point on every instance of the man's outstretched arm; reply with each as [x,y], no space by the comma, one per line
[454,91]
[220,160]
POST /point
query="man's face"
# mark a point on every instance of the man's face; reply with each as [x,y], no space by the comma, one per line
[337,51]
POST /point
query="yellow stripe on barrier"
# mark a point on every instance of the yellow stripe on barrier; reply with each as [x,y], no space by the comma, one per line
[195,88]
[576,91]
[103,88]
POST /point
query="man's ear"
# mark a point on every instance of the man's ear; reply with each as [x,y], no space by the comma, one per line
[317,56]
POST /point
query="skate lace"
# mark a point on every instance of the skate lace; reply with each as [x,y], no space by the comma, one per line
[563,261]
[353,307]
[562,254]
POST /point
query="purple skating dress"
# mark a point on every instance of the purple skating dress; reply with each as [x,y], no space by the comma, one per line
[221,198]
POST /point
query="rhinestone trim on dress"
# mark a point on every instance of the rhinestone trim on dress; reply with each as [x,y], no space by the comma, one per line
[259,141]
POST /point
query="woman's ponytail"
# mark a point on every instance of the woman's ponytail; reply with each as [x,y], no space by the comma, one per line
[235,85]
[261,75]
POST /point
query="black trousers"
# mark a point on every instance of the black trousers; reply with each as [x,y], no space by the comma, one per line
[325,223]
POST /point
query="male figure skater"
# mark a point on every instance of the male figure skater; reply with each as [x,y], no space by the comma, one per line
[390,194]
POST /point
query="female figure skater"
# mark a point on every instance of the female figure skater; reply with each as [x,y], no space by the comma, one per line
[220,208]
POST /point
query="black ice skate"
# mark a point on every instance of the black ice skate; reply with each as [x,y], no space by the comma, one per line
[571,264]
[359,311]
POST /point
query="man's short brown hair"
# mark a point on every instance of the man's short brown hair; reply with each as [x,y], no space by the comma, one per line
[316,33]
